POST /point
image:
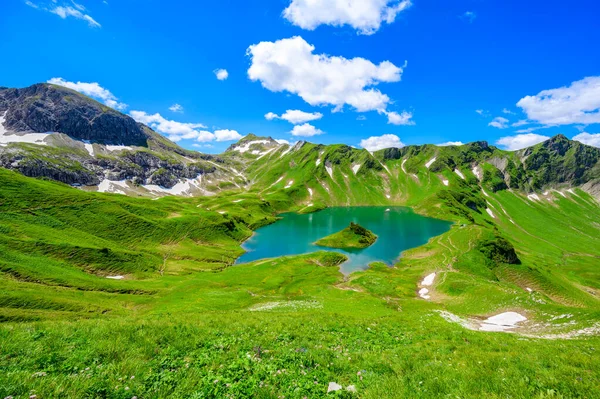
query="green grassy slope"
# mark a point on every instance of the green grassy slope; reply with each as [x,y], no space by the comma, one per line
[184,323]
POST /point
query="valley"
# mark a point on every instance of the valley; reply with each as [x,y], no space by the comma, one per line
[146,270]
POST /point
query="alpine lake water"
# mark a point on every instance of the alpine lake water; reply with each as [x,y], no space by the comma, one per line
[397,229]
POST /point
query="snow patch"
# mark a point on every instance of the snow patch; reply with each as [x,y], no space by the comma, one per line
[246,146]
[89,147]
[489,211]
[502,322]
[318,162]
[183,187]
[31,138]
[445,182]
[236,201]
[428,280]
[118,147]
[459,173]
[356,168]
[477,172]
[266,153]
[484,193]
[533,197]
[290,183]
[402,165]
[310,192]
[329,170]
[116,277]
[109,186]
[286,151]
[423,293]
[431,161]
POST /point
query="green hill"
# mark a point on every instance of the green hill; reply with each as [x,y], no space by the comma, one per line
[115,296]
[353,236]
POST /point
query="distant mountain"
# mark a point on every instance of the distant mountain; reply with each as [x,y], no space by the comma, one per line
[53,132]
[57,133]
[49,108]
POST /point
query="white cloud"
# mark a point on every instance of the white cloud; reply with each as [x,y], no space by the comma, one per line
[405,118]
[520,141]
[221,74]
[469,16]
[227,135]
[499,123]
[78,6]
[282,141]
[366,16]
[295,116]
[175,131]
[507,111]
[361,118]
[578,103]
[376,143]
[290,65]
[589,139]
[520,123]
[449,143]
[306,130]
[93,90]
[68,11]
[176,108]
[483,113]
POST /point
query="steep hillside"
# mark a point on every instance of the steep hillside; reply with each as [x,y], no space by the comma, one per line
[53,132]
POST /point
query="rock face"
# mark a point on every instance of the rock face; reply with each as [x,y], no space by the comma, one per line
[90,142]
[43,108]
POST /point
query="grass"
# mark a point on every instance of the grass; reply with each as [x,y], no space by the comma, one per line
[185,323]
[353,236]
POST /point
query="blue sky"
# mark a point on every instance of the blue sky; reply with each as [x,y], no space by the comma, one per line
[395,71]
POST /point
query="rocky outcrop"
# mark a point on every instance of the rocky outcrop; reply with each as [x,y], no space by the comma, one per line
[43,108]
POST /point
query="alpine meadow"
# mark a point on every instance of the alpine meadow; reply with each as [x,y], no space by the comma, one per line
[145,257]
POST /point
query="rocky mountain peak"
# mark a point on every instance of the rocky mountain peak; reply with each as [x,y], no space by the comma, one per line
[44,108]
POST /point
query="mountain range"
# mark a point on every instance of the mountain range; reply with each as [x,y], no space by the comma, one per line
[49,131]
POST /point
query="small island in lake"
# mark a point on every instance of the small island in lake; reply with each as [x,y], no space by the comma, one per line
[353,236]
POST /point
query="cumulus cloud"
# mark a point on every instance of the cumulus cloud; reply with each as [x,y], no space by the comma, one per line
[176,108]
[366,16]
[376,143]
[588,139]
[520,141]
[499,123]
[93,90]
[405,118]
[295,116]
[283,141]
[450,143]
[577,103]
[289,65]
[227,135]
[175,131]
[507,111]
[221,74]
[306,130]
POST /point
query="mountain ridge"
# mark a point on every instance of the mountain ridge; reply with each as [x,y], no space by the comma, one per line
[98,147]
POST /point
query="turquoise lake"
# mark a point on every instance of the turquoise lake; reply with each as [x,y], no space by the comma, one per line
[397,228]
